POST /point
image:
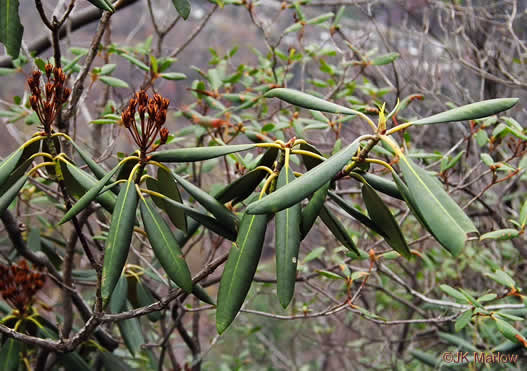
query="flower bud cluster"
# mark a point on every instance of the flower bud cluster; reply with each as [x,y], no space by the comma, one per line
[152,114]
[48,97]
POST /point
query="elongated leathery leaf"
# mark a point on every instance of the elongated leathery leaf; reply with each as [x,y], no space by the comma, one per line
[11,29]
[119,238]
[338,230]
[383,217]
[287,234]
[304,100]
[242,187]
[9,164]
[198,153]
[165,246]
[470,111]
[144,298]
[383,185]
[202,295]
[97,169]
[10,194]
[312,210]
[10,355]
[208,222]
[363,219]
[222,214]
[308,183]
[88,196]
[239,269]
[131,332]
[119,295]
[442,216]
[166,185]
[87,182]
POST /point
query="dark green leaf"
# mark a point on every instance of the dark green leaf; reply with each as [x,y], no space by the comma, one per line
[363,219]
[11,30]
[131,332]
[383,185]
[88,196]
[463,320]
[168,187]
[302,187]
[119,295]
[242,187]
[338,230]
[312,209]
[202,295]
[239,269]
[165,246]
[144,298]
[198,153]
[443,217]
[287,235]
[11,193]
[119,238]
[382,217]
[222,214]
[9,164]
[10,355]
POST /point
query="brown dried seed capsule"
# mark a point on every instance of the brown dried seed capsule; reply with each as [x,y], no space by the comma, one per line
[49,69]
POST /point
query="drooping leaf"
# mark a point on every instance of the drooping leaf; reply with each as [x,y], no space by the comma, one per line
[11,193]
[308,101]
[88,196]
[287,235]
[222,214]
[502,278]
[11,30]
[119,238]
[242,187]
[383,185]
[166,185]
[10,355]
[165,246]
[182,7]
[453,292]
[144,298]
[9,164]
[202,295]
[208,222]
[312,209]
[85,182]
[382,217]
[356,214]
[338,230]
[131,332]
[310,161]
[470,111]
[97,169]
[443,217]
[426,358]
[119,295]
[112,362]
[239,269]
[198,153]
[308,183]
